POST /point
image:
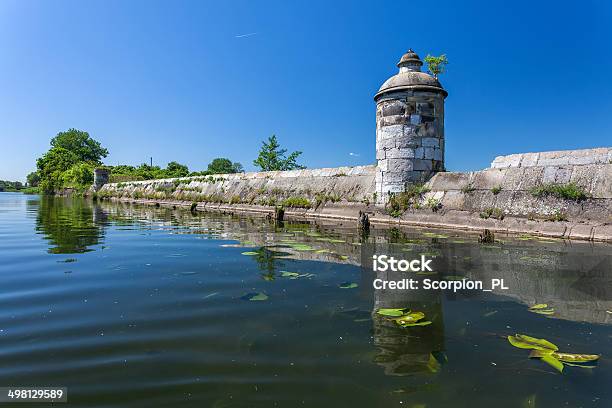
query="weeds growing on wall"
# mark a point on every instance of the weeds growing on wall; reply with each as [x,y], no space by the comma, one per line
[493,212]
[569,191]
[400,202]
[296,202]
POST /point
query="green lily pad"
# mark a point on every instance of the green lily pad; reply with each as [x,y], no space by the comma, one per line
[407,318]
[255,297]
[553,362]
[566,357]
[527,342]
[539,306]
[348,285]
[395,312]
[421,323]
[303,247]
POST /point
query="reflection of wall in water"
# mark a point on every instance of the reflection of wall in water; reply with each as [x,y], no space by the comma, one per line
[577,282]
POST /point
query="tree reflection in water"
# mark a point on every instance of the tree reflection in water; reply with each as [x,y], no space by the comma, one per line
[70,225]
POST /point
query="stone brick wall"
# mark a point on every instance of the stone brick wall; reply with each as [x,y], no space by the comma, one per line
[340,184]
[409,139]
[601,155]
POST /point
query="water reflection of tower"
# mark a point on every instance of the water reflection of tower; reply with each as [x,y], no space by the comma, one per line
[411,350]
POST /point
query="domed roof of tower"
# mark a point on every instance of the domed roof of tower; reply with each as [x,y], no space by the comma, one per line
[410,77]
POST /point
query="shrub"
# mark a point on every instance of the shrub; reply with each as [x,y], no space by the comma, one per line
[569,191]
[400,202]
[296,202]
[495,190]
[434,204]
[557,216]
[468,188]
[492,212]
[235,200]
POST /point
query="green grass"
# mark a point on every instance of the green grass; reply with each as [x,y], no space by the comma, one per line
[296,202]
[495,190]
[569,191]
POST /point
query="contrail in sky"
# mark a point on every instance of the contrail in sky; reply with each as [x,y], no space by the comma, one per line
[244,35]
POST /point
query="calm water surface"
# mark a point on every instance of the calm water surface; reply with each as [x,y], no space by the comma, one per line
[133,306]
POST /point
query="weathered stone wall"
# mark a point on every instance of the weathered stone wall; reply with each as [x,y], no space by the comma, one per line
[299,188]
[559,158]
[510,190]
[409,139]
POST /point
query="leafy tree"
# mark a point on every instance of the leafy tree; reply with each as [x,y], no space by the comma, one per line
[272,157]
[222,165]
[80,174]
[81,144]
[52,165]
[174,169]
[436,65]
[33,179]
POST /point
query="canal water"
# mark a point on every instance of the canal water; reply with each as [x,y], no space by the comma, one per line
[137,306]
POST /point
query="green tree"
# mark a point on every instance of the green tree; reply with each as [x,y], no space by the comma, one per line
[272,157]
[51,167]
[174,169]
[222,165]
[80,144]
[436,65]
[33,179]
[80,174]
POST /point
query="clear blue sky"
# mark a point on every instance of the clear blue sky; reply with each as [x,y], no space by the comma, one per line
[189,81]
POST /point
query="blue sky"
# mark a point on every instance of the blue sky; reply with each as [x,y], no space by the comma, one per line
[183,81]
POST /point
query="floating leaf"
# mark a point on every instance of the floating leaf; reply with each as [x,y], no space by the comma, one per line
[286,274]
[250,253]
[544,311]
[566,357]
[410,317]
[392,312]
[539,306]
[302,247]
[422,323]
[553,362]
[526,342]
[348,285]
[255,296]
[343,257]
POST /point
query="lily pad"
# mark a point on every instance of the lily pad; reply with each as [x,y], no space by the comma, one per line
[553,362]
[303,247]
[526,342]
[421,323]
[539,306]
[255,297]
[348,285]
[395,312]
[407,318]
[544,311]
[566,357]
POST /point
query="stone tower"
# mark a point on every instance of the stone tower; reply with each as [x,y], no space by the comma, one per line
[409,128]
